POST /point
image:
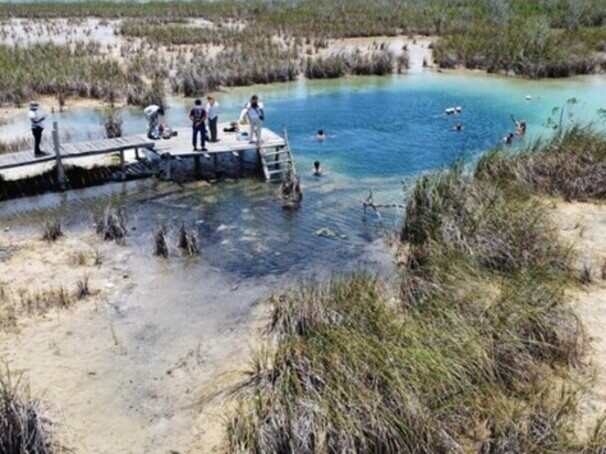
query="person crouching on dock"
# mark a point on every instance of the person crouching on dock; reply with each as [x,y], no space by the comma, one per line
[153,114]
[36,118]
[198,117]
[255,114]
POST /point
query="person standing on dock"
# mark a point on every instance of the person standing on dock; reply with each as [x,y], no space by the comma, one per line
[36,118]
[198,118]
[254,112]
[153,113]
[212,111]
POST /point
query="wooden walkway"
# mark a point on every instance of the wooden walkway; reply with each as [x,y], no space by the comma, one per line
[274,155]
[77,150]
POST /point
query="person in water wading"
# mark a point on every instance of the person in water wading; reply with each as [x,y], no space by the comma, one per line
[198,117]
[255,114]
[317,169]
[36,118]
[520,126]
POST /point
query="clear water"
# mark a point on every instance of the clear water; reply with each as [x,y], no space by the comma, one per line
[381,132]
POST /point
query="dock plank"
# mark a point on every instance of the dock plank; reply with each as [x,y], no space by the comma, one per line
[75,150]
[179,146]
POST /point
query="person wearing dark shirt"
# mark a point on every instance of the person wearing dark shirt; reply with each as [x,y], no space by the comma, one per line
[198,119]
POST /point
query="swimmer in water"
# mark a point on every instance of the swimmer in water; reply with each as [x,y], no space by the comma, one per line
[321,136]
[317,169]
[508,139]
[521,126]
[458,127]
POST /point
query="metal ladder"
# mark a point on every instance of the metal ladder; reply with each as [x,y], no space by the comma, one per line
[278,162]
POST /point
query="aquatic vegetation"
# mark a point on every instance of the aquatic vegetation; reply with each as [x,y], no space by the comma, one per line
[188,242]
[49,69]
[112,225]
[460,357]
[52,230]
[160,243]
[572,164]
[23,426]
[378,63]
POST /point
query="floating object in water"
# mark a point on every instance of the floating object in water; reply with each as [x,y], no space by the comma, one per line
[528,98]
[454,110]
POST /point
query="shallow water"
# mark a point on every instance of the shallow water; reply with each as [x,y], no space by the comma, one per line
[381,132]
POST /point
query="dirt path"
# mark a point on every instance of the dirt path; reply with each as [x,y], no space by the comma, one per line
[584,225]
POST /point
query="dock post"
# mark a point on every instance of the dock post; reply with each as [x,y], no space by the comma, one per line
[197,167]
[169,168]
[137,157]
[122,165]
[215,164]
[57,146]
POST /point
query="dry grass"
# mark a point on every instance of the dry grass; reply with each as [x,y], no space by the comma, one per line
[23,427]
[52,230]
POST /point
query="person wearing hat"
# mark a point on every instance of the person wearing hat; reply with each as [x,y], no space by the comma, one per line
[36,118]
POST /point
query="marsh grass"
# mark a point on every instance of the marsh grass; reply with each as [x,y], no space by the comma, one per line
[188,242]
[52,230]
[378,63]
[23,427]
[572,165]
[39,303]
[83,288]
[265,42]
[160,243]
[15,145]
[111,225]
[462,357]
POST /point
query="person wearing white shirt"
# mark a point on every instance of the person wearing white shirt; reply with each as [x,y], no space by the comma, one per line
[255,114]
[152,114]
[212,110]
[36,118]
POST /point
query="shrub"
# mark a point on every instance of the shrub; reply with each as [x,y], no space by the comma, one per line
[23,428]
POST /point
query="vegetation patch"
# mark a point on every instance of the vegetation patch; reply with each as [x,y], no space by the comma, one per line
[471,353]
[23,427]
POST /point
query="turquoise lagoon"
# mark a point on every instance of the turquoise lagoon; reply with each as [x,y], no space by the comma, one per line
[382,133]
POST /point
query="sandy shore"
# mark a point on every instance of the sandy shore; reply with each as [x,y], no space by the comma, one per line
[583,225]
[125,369]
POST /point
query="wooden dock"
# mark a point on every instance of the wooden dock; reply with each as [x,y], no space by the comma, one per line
[274,156]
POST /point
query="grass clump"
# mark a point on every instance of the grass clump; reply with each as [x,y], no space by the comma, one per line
[23,427]
[188,242]
[112,226]
[462,357]
[571,165]
[52,230]
[161,243]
